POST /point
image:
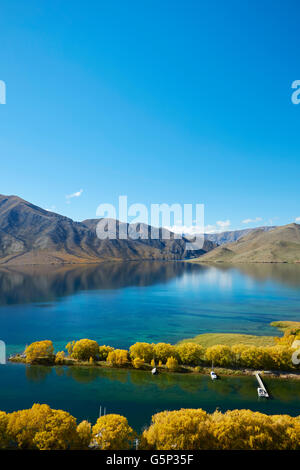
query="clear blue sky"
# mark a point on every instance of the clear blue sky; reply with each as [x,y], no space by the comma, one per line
[163,101]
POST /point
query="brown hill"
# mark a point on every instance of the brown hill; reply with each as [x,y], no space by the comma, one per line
[279,245]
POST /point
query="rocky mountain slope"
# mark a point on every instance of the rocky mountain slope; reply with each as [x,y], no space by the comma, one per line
[279,245]
[32,235]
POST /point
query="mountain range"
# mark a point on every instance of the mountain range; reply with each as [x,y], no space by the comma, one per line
[233,235]
[32,235]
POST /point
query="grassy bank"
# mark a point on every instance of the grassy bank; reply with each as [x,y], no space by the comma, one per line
[229,339]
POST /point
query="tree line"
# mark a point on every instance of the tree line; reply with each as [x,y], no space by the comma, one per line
[43,428]
[172,357]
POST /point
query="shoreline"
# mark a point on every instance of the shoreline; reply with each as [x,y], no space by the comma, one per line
[184,369]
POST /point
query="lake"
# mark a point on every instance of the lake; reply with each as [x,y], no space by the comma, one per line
[121,303]
[137,394]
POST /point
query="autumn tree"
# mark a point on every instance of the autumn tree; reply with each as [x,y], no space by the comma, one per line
[142,351]
[162,351]
[248,430]
[112,432]
[39,350]
[172,363]
[42,428]
[103,352]
[117,357]
[138,363]
[220,355]
[233,430]
[84,349]
[4,441]
[84,433]
[70,346]
[185,429]
[190,353]
[60,357]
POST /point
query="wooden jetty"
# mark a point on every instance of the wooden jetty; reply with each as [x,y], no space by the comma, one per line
[261,390]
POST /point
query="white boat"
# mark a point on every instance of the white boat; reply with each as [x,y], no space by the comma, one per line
[154,371]
[262,392]
[213,375]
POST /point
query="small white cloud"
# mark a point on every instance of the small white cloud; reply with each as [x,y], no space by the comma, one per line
[223,223]
[297,219]
[197,229]
[71,196]
[251,221]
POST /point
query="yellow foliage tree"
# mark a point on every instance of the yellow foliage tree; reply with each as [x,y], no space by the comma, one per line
[190,353]
[142,351]
[234,430]
[60,357]
[84,432]
[220,355]
[70,346]
[185,429]
[84,349]
[172,363]
[138,363]
[162,351]
[103,352]
[3,430]
[39,350]
[112,432]
[117,357]
[42,428]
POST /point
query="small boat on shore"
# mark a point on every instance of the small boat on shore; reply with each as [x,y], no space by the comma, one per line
[154,371]
[262,393]
[213,375]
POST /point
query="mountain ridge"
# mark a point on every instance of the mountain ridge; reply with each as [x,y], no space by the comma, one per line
[279,245]
[32,235]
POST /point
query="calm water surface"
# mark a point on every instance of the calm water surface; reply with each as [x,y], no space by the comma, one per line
[119,304]
[137,394]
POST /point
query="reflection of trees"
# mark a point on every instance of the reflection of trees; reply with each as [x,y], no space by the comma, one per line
[35,373]
[59,370]
[285,390]
[82,374]
[46,283]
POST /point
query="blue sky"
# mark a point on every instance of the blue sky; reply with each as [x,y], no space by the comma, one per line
[162,101]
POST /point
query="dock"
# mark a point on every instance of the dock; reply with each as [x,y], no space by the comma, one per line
[261,390]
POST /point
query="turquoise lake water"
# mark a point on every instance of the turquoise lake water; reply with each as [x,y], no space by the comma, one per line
[137,394]
[121,303]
